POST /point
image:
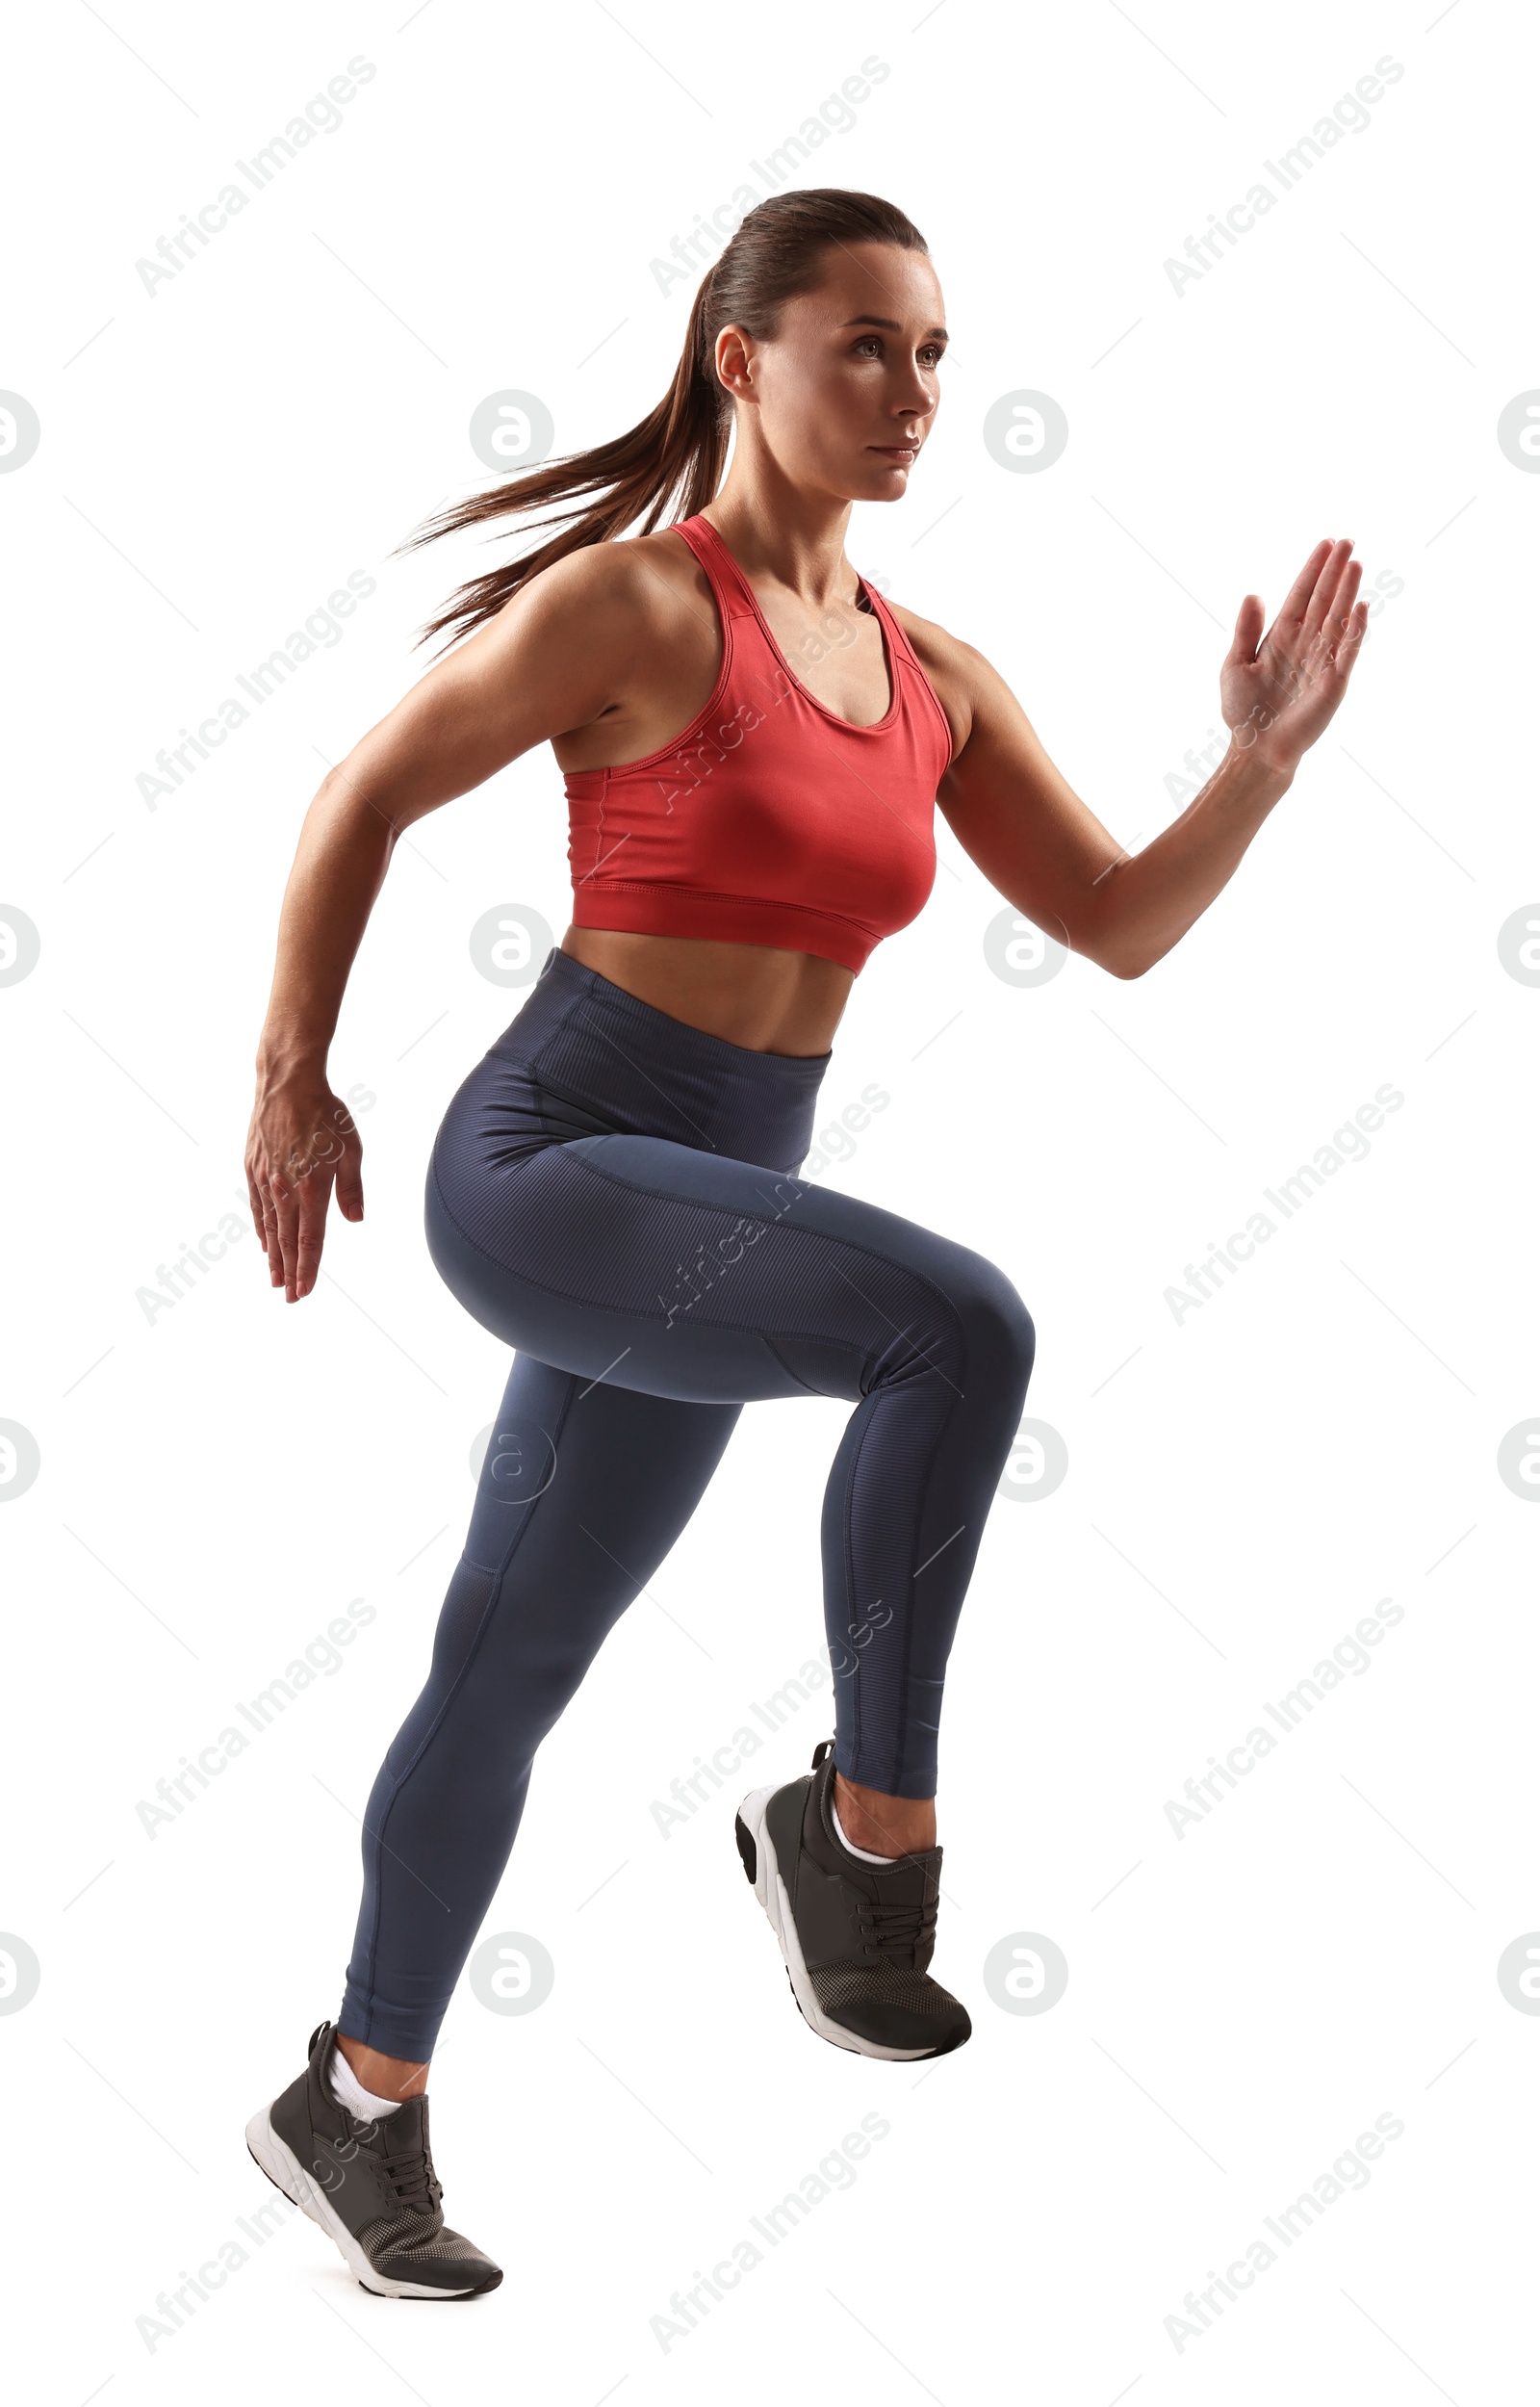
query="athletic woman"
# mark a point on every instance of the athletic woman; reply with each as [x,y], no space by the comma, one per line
[754,744]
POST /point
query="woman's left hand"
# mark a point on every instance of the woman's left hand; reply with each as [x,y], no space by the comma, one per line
[1278,691]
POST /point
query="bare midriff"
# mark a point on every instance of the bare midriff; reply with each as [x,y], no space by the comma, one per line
[756,995]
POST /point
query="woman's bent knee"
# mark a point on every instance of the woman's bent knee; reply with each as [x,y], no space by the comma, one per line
[1002,1337]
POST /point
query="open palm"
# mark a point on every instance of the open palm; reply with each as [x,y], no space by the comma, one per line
[1278,691]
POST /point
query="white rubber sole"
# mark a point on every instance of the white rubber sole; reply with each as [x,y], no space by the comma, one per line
[285,2171]
[771,1891]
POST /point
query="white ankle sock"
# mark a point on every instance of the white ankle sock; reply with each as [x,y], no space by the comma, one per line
[863,1854]
[349,2091]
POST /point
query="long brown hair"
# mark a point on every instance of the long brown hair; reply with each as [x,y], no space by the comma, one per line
[679,449]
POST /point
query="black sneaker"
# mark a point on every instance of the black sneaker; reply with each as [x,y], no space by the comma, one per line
[369,2186]
[857,1938]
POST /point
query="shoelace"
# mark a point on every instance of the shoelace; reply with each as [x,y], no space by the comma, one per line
[895,1931]
[412,2179]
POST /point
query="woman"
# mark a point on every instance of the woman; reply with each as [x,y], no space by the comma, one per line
[754,744]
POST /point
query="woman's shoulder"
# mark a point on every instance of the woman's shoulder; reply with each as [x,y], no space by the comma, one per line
[956,671]
[639,583]
[935,647]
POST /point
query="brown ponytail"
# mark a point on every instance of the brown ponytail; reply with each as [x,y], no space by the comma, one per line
[676,453]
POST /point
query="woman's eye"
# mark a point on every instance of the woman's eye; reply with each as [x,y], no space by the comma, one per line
[930,355]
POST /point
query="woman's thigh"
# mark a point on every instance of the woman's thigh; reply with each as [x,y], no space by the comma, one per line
[686,1273]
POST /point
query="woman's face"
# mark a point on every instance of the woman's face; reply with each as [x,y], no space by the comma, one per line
[844,394]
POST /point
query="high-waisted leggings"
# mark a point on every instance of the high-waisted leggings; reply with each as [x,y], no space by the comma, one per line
[614,1193]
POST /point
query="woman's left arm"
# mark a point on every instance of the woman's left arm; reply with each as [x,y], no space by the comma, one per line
[1050,856]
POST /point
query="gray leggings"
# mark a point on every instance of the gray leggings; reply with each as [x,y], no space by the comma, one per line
[613,1194]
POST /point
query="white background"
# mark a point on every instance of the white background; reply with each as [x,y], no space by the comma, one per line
[1244,1484]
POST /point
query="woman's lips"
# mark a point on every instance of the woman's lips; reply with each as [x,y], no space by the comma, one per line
[897,452]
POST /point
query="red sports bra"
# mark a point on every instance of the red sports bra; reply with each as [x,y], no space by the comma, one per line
[770,820]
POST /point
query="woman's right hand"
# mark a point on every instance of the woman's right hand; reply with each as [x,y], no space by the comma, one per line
[302,1136]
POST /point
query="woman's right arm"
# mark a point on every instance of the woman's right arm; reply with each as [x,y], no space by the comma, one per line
[557,656]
